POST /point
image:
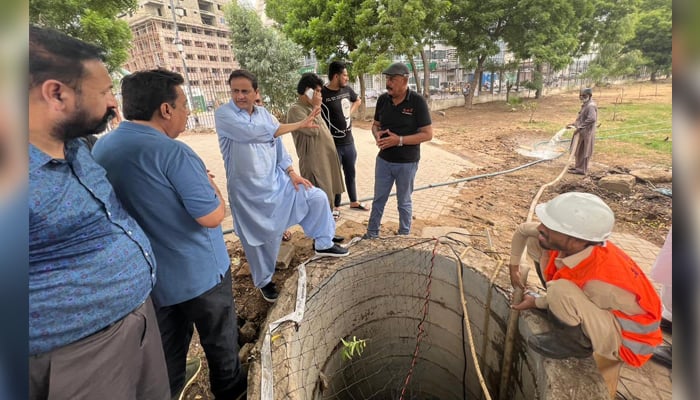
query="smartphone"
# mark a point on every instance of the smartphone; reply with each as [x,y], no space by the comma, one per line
[309,93]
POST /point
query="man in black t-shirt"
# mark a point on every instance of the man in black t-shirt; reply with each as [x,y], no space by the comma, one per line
[401,123]
[340,102]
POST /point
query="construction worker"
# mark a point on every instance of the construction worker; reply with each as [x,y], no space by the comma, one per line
[598,300]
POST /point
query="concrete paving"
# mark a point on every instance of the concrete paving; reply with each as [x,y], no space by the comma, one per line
[427,204]
[437,166]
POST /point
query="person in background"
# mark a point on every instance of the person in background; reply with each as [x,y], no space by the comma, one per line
[93,332]
[340,103]
[166,187]
[585,126]
[465,92]
[599,302]
[266,195]
[401,123]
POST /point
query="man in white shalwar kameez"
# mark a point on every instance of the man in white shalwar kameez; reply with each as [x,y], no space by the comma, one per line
[265,193]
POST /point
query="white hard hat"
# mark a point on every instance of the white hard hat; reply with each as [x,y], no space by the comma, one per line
[580,215]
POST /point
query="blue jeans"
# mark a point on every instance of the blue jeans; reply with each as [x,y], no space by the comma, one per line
[385,174]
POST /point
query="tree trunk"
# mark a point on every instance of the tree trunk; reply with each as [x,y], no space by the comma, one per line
[476,84]
[538,80]
[653,76]
[426,74]
[415,74]
[363,105]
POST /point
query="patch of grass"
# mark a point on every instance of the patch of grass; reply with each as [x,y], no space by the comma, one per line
[546,126]
[632,128]
[514,100]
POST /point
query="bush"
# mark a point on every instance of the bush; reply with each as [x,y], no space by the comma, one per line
[515,100]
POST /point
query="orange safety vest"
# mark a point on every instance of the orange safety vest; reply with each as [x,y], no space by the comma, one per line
[607,263]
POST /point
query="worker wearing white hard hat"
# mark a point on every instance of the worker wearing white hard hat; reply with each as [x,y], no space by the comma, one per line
[599,302]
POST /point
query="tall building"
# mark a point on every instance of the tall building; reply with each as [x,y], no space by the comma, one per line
[204,45]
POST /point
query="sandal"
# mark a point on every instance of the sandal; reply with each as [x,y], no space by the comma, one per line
[360,207]
[287,236]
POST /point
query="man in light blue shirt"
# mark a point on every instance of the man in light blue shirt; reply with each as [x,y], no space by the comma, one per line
[165,186]
[267,196]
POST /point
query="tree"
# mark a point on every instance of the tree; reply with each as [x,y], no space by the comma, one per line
[407,27]
[267,53]
[94,21]
[548,32]
[332,29]
[611,26]
[652,36]
[474,27]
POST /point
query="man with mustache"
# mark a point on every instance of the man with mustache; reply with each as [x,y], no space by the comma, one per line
[598,300]
[93,333]
[266,195]
[401,123]
[166,187]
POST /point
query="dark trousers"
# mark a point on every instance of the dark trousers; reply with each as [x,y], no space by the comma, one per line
[348,156]
[123,361]
[214,315]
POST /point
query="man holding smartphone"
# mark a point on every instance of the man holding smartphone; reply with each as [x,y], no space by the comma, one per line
[401,123]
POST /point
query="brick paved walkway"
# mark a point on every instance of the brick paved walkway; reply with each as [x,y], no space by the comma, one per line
[436,166]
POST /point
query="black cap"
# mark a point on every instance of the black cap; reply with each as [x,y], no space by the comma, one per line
[396,68]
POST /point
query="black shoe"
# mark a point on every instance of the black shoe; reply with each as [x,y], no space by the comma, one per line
[338,239]
[333,251]
[663,355]
[369,236]
[666,325]
[562,341]
[558,345]
[269,292]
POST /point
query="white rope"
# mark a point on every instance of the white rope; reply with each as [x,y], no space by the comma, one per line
[267,378]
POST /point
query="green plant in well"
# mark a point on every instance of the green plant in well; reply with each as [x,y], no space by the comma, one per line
[353,347]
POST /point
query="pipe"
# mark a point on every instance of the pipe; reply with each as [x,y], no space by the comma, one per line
[456,181]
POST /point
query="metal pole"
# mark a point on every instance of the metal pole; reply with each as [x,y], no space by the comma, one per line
[180,48]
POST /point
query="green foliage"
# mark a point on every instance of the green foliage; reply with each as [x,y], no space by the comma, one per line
[334,30]
[515,100]
[353,347]
[652,36]
[94,21]
[548,31]
[267,53]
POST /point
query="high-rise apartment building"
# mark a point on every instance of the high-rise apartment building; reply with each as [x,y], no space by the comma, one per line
[204,45]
